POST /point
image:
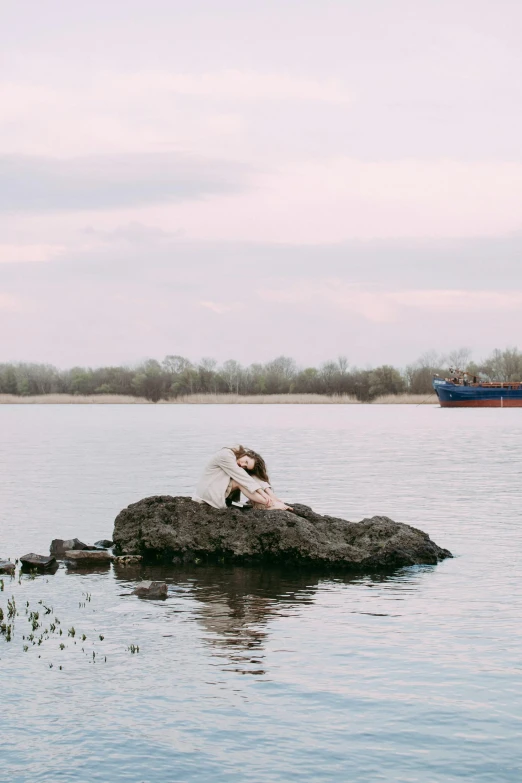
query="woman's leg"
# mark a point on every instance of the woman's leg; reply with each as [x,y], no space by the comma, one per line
[233,496]
[262,498]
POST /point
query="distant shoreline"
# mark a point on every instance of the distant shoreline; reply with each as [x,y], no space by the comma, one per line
[215,399]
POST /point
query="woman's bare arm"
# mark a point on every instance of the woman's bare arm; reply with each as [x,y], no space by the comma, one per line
[260,496]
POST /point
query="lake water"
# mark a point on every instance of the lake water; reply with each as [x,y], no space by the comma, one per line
[261,675]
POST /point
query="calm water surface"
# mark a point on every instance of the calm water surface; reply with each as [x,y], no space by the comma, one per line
[261,675]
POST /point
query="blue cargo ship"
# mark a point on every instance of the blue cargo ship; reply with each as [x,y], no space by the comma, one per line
[462,391]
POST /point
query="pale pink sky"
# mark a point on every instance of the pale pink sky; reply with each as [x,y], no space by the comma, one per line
[251,179]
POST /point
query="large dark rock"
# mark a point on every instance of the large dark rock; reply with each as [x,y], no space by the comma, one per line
[176,529]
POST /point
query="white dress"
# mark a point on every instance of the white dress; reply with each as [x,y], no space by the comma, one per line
[213,485]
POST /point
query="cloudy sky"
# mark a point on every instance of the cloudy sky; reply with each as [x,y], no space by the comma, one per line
[248,179]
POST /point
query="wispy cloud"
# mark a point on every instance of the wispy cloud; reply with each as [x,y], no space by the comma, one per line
[219,308]
[133,233]
[236,85]
[100,182]
[391,306]
[337,199]
[9,303]
[16,254]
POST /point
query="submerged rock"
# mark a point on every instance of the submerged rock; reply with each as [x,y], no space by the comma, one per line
[38,561]
[6,567]
[151,590]
[59,546]
[128,560]
[87,556]
[176,529]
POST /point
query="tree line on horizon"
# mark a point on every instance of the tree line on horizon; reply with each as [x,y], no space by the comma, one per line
[177,376]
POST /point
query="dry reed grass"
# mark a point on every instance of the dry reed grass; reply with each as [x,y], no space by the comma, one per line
[405,399]
[193,399]
[71,399]
[265,399]
[212,399]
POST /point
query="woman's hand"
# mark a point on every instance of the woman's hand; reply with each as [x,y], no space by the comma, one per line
[262,497]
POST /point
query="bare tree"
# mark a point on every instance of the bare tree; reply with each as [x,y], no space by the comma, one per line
[231,372]
[503,365]
[459,358]
[175,365]
[342,363]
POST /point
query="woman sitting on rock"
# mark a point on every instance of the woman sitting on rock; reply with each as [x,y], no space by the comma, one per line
[234,470]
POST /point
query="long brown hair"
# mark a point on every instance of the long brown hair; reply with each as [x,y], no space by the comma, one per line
[259,468]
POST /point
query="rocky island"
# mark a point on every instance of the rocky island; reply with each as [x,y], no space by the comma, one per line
[178,530]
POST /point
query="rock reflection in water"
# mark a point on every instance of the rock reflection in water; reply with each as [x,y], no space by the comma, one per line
[235,605]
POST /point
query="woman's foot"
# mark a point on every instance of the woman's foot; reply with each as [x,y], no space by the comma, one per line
[278,504]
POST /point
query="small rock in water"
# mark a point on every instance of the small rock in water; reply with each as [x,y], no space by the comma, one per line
[59,546]
[151,590]
[87,556]
[104,543]
[6,567]
[126,560]
[37,561]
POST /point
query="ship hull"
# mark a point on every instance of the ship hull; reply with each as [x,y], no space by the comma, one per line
[456,396]
[502,403]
